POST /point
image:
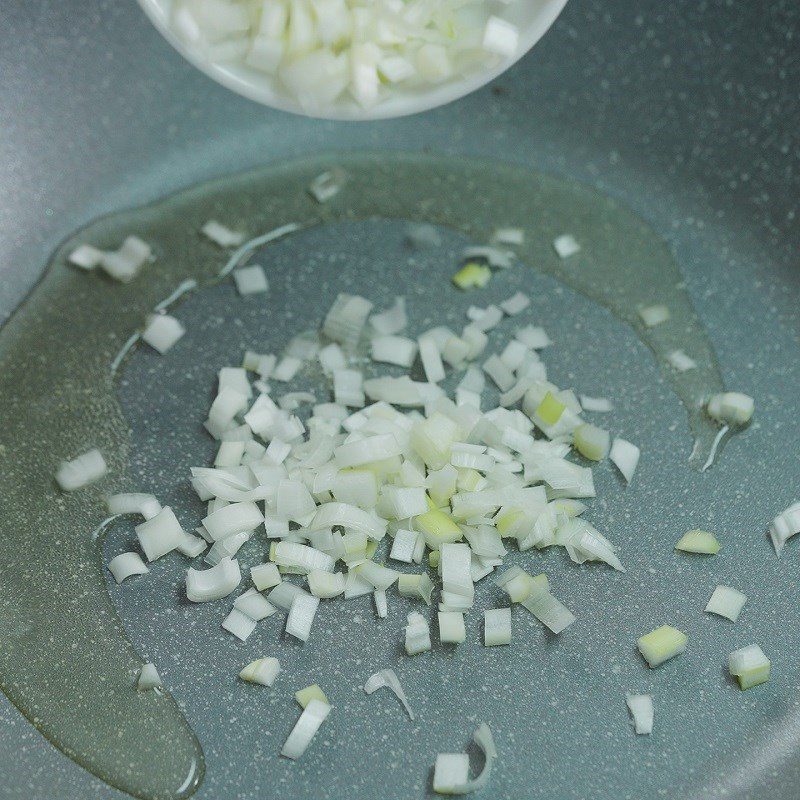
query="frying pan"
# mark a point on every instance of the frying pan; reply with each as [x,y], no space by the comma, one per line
[686,115]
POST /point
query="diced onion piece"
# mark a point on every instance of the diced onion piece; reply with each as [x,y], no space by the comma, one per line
[301,616]
[431,359]
[451,773]
[516,583]
[749,665]
[533,338]
[591,441]
[625,456]
[126,564]
[148,678]
[641,708]
[327,185]
[192,546]
[726,602]
[404,545]
[286,369]
[432,439]
[313,692]
[731,408]
[125,263]
[472,276]
[265,576]
[550,409]
[455,570]
[345,320]
[377,575]
[418,637]
[388,678]
[314,714]
[451,627]
[654,315]
[497,257]
[698,541]
[330,515]
[388,323]
[381,605]
[508,236]
[233,518]
[162,331]
[566,245]
[221,235]
[226,548]
[679,361]
[784,526]
[394,350]
[515,304]
[282,596]
[367,450]
[596,404]
[356,586]
[134,503]
[86,257]
[160,535]
[415,585]
[326,584]
[239,624]
[254,605]
[203,586]
[662,644]
[81,471]
[250,280]
[496,626]
[502,376]
[550,611]
[500,37]
[262,671]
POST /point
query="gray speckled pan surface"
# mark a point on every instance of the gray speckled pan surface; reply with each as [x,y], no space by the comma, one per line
[687,114]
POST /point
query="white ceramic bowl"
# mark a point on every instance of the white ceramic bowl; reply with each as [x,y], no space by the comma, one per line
[532,17]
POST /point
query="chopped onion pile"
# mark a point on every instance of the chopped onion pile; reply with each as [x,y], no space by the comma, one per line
[322,53]
[393,457]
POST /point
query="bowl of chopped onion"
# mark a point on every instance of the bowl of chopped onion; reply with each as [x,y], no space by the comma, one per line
[352,59]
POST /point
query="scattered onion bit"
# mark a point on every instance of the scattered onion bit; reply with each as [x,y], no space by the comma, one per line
[662,644]
[697,541]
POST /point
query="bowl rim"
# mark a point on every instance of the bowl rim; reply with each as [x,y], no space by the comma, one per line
[399,106]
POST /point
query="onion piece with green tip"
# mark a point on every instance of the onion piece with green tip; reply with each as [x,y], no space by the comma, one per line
[662,644]
[262,671]
[314,714]
[750,666]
